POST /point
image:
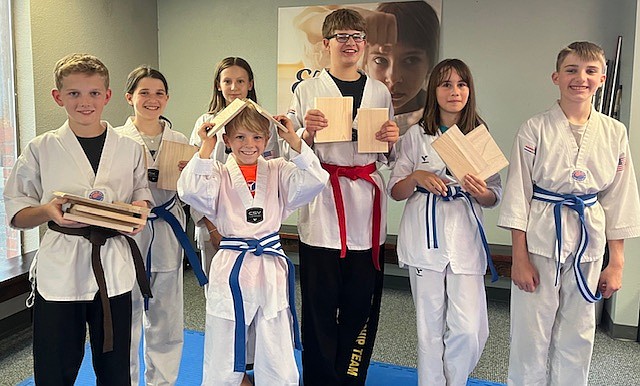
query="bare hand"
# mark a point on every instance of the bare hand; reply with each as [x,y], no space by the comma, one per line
[182,164]
[208,143]
[381,28]
[523,274]
[430,181]
[290,136]
[389,132]
[610,281]
[55,213]
[315,120]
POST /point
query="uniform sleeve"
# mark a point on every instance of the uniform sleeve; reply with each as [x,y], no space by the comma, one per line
[199,185]
[272,150]
[301,179]
[404,164]
[195,139]
[620,199]
[494,183]
[141,191]
[24,186]
[514,212]
[296,115]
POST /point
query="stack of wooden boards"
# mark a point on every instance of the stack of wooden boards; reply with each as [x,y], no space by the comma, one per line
[475,153]
[118,215]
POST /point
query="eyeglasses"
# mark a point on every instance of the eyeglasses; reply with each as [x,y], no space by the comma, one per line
[343,38]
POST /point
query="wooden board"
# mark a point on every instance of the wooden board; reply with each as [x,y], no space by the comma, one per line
[488,148]
[170,154]
[338,111]
[120,207]
[370,120]
[226,115]
[97,221]
[267,115]
[80,209]
[460,156]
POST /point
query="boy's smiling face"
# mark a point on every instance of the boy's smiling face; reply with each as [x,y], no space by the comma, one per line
[578,79]
[246,145]
[344,54]
[83,97]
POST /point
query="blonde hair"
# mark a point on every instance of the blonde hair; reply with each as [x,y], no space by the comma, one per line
[586,51]
[249,118]
[80,64]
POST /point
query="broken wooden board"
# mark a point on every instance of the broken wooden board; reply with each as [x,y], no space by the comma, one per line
[119,207]
[370,120]
[339,113]
[476,153]
[89,219]
[171,153]
[226,115]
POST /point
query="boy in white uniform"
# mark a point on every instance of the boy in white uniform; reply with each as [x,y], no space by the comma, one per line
[570,166]
[251,280]
[77,281]
[342,230]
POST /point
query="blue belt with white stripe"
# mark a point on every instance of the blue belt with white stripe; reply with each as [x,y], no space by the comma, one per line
[577,203]
[269,245]
[163,212]
[453,192]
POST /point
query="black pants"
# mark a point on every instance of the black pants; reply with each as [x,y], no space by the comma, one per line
[59,331]
[340,312]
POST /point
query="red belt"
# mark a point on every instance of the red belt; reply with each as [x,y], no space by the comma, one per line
[355,173]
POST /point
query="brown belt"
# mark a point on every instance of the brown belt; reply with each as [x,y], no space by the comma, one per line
[98,237]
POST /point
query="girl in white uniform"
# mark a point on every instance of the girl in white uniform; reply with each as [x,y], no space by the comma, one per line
[251,278]
[440,237]
[233,78]
[570,171]
[161,318]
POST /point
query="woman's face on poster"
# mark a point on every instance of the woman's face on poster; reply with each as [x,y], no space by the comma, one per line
[403,69]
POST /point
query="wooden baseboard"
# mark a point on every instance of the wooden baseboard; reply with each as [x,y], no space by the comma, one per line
[501,254]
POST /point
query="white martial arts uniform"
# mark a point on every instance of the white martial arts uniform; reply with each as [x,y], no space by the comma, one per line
[163,322]
[203,239]
[545,153]
[447,282]
[55,161]
[357,194]
[220,192]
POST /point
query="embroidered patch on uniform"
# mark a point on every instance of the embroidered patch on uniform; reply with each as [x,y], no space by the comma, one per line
[622,161]
[579,175]
[255,215]
[425,159]
[530,149]
[291,111]
[96,195]
[267,154]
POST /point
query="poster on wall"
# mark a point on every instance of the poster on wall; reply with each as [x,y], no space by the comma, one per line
[403,66]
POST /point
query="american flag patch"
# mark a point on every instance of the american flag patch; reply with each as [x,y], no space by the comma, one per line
[621,162]
[530,149]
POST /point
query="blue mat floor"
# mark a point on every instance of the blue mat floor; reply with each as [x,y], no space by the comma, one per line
[380,374]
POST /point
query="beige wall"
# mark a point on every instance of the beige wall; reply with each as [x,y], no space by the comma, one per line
[123,34]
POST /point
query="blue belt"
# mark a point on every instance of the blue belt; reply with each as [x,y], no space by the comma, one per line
[269,245]
[453,192]
[163,212]
[577,203]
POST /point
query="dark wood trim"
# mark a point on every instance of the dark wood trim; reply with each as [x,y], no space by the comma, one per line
[501,254]
[14,276]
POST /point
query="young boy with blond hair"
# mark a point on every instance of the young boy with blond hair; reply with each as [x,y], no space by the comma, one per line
[81,274]
[342,229]
[251,279]
[570,166]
